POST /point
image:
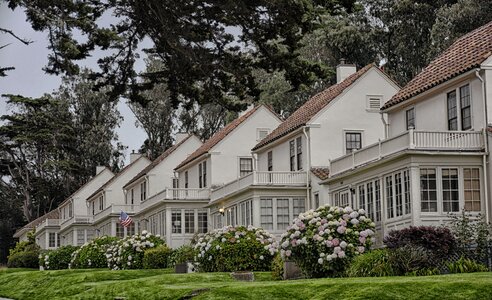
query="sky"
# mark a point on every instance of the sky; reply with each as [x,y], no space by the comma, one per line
[28,78]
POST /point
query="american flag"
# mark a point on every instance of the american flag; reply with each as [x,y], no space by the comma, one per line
[125,219]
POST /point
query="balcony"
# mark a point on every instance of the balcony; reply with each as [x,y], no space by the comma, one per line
[48,223]
[77,219]
[114,210]
[444,141]
[260,178]
[176,194]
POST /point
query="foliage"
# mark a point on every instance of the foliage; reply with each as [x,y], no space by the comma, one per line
[236,249]
[157,258]
[438,242]
[411,259]
[24,246]
[57,259]
[24,259]
[374,263]
[278,267]
[92,254]
[128,253]
[322,242]
[182,254]
[465,265]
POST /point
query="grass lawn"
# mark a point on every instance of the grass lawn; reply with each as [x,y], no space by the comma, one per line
[162,284]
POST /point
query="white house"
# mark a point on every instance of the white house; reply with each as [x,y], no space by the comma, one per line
[154,190]
[292,159]
[435,160]
[49,226]
[75,222]
[107,202]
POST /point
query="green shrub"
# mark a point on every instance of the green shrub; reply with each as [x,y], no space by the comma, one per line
[410,259]
[24,259]
[236,249]
[57,259]
[278,268]
[157,258]
[23,246]
[375,263]
[181,255]
[465,265]
[92,254]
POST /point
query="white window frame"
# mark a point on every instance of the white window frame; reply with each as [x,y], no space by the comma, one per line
[459,120]
[295,166]
[349,131]
[239,164]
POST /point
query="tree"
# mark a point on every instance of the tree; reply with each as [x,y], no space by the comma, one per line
[5,69]
[209,48]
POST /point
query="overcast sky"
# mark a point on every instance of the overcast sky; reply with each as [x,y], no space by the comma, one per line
[28,78]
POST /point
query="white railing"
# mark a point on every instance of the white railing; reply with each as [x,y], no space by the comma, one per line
[260,178]
[115,209]
[77,219]
[48,222]
[410,140]
[176,194]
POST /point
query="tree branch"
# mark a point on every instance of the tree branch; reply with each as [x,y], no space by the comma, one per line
[10,32]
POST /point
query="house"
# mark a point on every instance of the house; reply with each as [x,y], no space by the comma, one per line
[154,189]
[106,203]
[220,159]
[435,159]
[291,160]
[75,222]
[47,225]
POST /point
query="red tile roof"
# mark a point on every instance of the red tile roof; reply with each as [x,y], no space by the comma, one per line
[54,214]
[465,54]
[321,172]
[158,160]
[309,109]
[219,136]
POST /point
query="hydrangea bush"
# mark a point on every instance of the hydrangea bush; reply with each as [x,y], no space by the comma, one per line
[58,259]
[92,254]
[322,242]
[128,253]
[236,249]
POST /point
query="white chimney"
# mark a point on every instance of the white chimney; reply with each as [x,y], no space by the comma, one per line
[134,156]
[99,169]
[344,70]
[181,136]
[250,107]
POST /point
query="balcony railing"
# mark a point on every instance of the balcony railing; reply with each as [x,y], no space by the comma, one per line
[77,219]
[176,194]
[115,209]
[47,223]
[260,178]
[410,140]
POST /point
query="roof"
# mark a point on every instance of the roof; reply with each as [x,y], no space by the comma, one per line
[69,197]
[465,54]
[309,109]
[219,136]
[158,160]
[321,172]
[54,214]
[115,177]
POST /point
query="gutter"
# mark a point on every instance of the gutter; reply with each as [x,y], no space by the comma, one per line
[486,142]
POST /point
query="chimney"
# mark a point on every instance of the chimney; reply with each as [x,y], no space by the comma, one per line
[134,156]
[99,169]
[181,136]
[344,70]
[250,107]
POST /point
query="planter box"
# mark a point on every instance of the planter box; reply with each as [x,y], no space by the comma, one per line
[243,276]
[292,271]
[181,268]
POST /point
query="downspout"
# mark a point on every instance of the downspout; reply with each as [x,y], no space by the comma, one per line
[486,142]
[385,124]
[308,167]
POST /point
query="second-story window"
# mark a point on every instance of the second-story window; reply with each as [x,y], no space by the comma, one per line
[299,153]
[353,141]
[295,147]
[186,179]
[93,204]
[410,116]
[101,203]
[245,166]
[459,112]
[132,197]
[465,107]
[292,148]
[270,161]
[70,210]
[143,191]
[202,175]
[452,111]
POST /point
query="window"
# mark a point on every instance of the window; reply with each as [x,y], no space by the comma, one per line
[377,194]
[245,166]
[406,183]
[176,221]
[410,116]
[450,192]
[389,197]
[299,153]
[465,105]
[93,204]
[283,216]
[120,230]
[266,213]
[133,197]
[316,200]
[186,179]
[362,197]
[202,175]
[452,111]
[70,210]
[342,199]
[202,222]
[292,155]
[299,206]
[399,195]
[143,191]
[52,239]
[232,216]
[270,161]
[428,190]
[353,141]
[175,183]
[218,221]
[189,221]
[130,230]
[370,200]
[471,184]
[101,203]
[246,212]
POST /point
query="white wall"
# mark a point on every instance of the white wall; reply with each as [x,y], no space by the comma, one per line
[281,154]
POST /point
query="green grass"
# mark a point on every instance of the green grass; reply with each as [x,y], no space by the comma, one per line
[162,284]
